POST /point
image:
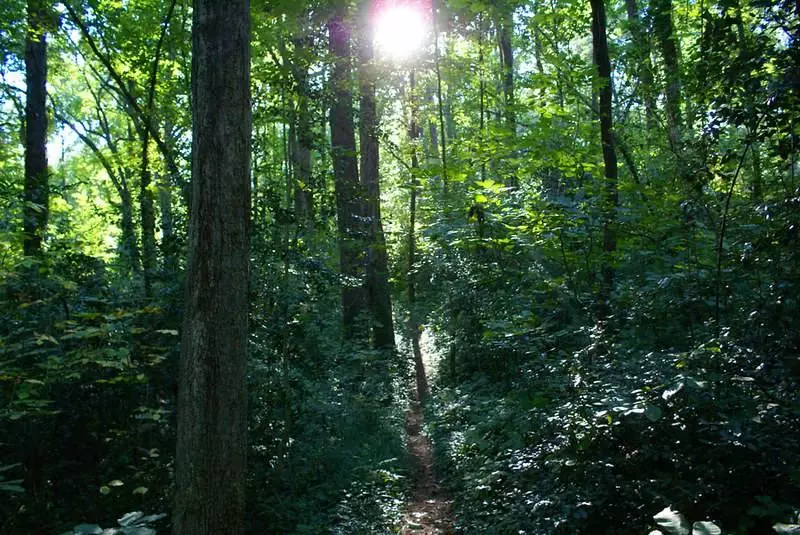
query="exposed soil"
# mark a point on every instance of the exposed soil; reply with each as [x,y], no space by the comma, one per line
[429,510]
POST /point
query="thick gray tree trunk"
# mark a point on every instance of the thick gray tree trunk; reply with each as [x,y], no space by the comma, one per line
[380,301]
[349,205]
[37,190]
[212,398]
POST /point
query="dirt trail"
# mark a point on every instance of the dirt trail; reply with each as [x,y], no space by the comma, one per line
[428,513]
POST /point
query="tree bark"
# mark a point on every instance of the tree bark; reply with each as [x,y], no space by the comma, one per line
[505,29]
[665,32]
[610,194]
[37,188]
[413,320]
[642,64]
[303,200]
[380,302]
[349,207]
[148,216]
[212,399]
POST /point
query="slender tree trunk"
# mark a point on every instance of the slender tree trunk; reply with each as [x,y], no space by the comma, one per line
[642,64]
[440,103]
[433,131]
[148,217]
[168,249]
[129,247]
[413,321]
[146,197]
[37,189]
[505,30]
[212,400]
[481,94]
[380,302]
[610,195]
[349,207]
[665,32]
[303,200]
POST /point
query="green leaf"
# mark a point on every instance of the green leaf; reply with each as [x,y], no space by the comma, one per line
[786,528]
[705,528]
[129,518]
[670,392]
[105,490]
[12,486]
[138,530]
[140,491]
[653,413]
[87,529]
[672,522]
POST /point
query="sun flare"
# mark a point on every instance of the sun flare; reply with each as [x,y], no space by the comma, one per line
[400,31]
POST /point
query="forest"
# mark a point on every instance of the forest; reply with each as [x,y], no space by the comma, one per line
[399,266]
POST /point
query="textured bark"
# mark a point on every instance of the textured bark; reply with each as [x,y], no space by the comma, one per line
[610,194]
[37,189]
[445,130]
[148,216]
[505,31]
[349,208]
[641,59]
[212,399]
[168,249]
[380,302]
[413,321]
[665,32]
[301,159]
[146,197]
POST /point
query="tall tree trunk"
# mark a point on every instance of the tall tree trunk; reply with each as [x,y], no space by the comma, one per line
[413,320]
[610,194]
[440,103]
[303,200]
[37,189]
[380,302]
[129,249]
[148,216]
[212,399]
[505,31]
[641,59]
[168,248]
[665,32]
[349,207]
[146,198]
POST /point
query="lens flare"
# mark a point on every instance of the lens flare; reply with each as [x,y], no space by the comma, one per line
[399,31]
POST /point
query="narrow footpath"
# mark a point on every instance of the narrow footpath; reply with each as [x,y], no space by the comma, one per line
[428,513]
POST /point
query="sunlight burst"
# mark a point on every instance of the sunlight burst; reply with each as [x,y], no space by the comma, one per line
[400,31]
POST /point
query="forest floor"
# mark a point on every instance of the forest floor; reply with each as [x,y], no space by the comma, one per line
[429,510]
[428,513]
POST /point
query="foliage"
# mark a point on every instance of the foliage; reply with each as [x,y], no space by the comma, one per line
[544,418]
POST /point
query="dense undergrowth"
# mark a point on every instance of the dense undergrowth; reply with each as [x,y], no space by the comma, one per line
[537,430]
[87,419]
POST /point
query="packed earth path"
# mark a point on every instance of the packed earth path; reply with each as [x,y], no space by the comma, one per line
[429,510]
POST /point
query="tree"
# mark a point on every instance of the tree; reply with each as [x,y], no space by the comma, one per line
[37,188]
[349,206]
[610,195]
[380,303]
[212,399]
[665,32]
